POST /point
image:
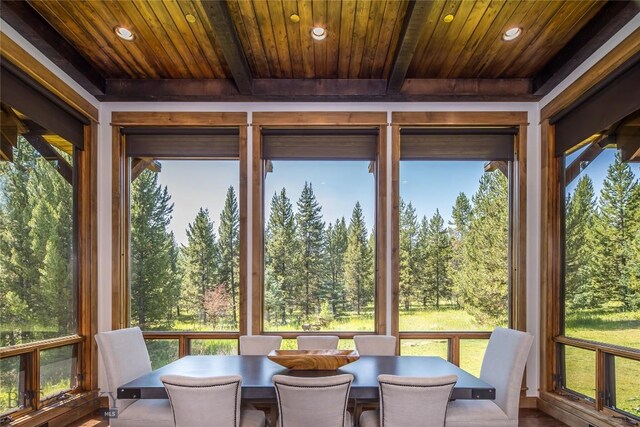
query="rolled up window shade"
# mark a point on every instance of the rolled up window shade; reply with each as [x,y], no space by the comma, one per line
[27,96]
[219,143]
[320,144]
[457,143]
[600,108]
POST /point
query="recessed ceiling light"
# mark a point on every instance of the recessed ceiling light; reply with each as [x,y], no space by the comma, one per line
[124,33]
[319,33]
[295,18]
[512,33]
[448,18]
[190,18]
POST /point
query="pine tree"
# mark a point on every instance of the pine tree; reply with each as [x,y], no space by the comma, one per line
[336,246]
[436,260]
[151,252]
[358,262]
[483,274]
[174,287]
[461,214]
[311,265]
[281,248]
[19,267]
[580,211]
[229,249]
[199,262]
[409,269]
[52,236]
[616,227]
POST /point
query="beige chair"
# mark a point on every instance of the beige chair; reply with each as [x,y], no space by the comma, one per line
[211,401]
[502,367]
[313,402]
[411,401]
[318,342]
[375,345]
[259,345]
[126,358]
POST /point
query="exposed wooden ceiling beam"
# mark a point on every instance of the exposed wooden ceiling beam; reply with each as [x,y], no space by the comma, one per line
[628,139]
[8,128]
[319,90]
[138,165]
[415,19]
[6,149]
[33,27]
[611,18]
[514,88]
[229,42]
[582,161]
[495,165]
[46,151]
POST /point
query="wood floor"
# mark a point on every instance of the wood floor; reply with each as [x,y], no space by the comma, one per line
[528,418]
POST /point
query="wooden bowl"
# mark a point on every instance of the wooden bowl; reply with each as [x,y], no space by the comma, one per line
[313,360]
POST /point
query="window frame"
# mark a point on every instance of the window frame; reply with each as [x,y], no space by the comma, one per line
[298,120]
[552,399]
[605,353]
[120,214]
[84,180]
[517,227]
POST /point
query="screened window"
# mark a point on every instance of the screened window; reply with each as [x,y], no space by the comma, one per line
[454,238]
[40,147]
[319,235]
[601,266]
[37,242]
[184,250]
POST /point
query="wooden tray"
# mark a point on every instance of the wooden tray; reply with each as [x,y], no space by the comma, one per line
[313,360]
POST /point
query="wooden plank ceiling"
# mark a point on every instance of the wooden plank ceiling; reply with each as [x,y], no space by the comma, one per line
[374,49]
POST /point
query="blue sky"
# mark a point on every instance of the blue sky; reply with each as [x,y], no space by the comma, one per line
[597,170]
[336,184]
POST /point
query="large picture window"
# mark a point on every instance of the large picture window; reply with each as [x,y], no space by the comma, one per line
[459,267]
[184,253]
[184,239]
[319,246]
[454,250]
[601,280]
[42,165]
[181,226]
[319,190]
[590,276]
[319,235]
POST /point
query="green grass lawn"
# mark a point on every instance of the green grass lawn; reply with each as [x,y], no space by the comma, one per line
[610,326]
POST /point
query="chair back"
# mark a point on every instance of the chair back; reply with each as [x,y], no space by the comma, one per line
[125,357]
[313,402]
[375,345]
[259,345]
[318,342]
[503,367]
[414,401]
[204,402]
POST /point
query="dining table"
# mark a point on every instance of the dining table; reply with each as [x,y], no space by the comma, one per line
[257,373]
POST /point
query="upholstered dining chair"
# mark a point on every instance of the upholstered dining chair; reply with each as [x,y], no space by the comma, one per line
[259,345]
[411,401]
[125,358]
[375,345]
[209,401]
[313,402]
[318,342]
[502,367]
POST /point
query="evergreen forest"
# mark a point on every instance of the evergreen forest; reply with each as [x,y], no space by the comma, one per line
[319,274]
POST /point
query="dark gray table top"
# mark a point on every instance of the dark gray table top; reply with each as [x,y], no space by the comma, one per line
[257,371]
